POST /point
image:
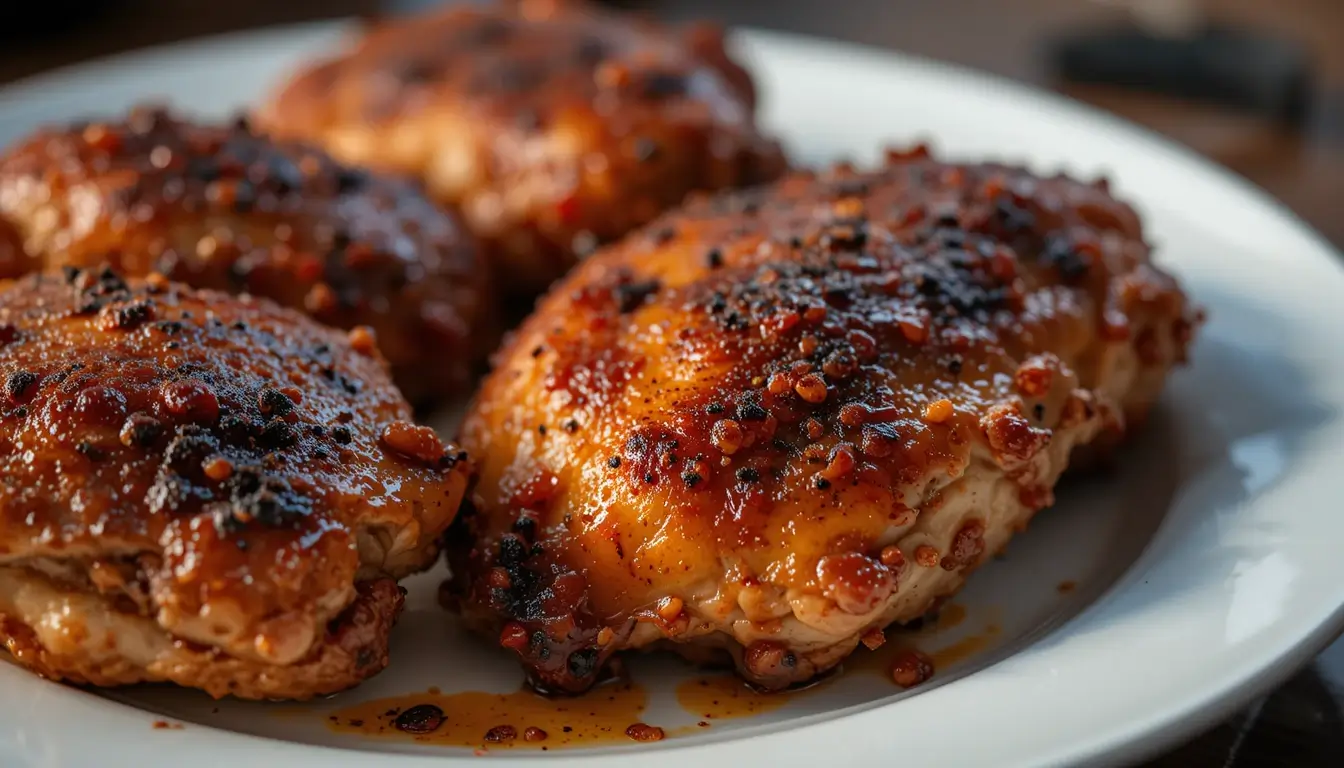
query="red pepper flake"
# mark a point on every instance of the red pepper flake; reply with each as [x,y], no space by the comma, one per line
[514,635]
[363,340]
[534,734]
[841,462]
[892,557]
[726,435]
[811,388]
[1033,378]
[873,638]
[413,441]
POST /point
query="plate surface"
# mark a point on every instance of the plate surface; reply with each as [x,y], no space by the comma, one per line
[1145,604]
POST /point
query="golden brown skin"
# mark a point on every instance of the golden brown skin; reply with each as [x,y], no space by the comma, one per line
[774,422]
[219,206]
[553,126]
[204,489]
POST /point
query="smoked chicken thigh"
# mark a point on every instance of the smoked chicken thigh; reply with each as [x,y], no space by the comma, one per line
[554,126]
[223,207]
[204,489]
[775,422]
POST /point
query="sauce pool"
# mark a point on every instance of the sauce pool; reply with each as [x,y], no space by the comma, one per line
[612,713]
[521,719]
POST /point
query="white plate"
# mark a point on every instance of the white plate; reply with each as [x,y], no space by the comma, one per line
[1207,566]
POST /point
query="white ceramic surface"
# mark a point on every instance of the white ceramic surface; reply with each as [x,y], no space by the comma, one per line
[1207,565]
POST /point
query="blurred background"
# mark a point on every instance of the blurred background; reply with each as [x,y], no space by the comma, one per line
[1257,86]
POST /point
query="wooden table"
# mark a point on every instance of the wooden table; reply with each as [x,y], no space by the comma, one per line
[1301,723]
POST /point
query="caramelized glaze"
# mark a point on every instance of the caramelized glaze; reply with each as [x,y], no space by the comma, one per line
[222,206]
[201,487]
[775,420]
[553,126]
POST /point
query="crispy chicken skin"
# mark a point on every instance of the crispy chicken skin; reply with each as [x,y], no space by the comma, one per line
[204,489]
[775,422]
[219,206]
[554,126]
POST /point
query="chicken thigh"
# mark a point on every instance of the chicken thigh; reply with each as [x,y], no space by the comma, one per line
[223,207]
[554,126]
[774,422]
[204,489]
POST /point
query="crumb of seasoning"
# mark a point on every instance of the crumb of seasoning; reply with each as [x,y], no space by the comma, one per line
[703,724]
[926,556]
[534,733]
[161,725]
[218,469]
[643,732]
[911,668]
[873,638]
[500,734]
[1065,587]
[423,718]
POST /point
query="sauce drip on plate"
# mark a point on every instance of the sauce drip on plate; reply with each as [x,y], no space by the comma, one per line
[918,650]
[522,719]
[725,697]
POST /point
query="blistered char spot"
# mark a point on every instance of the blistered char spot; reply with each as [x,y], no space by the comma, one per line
[775,386]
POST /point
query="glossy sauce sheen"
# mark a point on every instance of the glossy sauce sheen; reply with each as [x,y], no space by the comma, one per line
[553,126]
[215,468]
[224,207]
[602,716]
[734,428]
